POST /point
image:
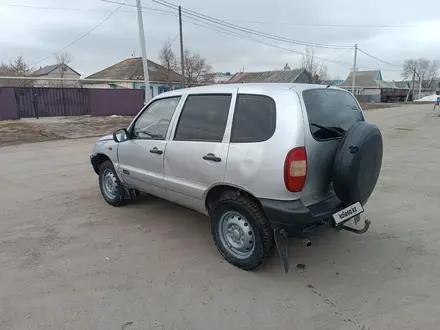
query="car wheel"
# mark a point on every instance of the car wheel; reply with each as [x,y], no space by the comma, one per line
[109,184]
[241,232]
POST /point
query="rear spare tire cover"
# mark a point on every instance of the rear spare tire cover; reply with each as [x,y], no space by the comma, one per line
[357,164]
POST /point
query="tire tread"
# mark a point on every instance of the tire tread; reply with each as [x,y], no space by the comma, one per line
[263,226]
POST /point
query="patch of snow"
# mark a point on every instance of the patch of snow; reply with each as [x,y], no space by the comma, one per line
[115,116]
[428,98]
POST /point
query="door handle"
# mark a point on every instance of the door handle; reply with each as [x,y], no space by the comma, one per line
[212,158]
[156,151]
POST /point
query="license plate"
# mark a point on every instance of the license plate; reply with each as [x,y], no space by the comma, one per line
[348,213]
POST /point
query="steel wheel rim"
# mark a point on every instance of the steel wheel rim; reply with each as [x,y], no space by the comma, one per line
[236,234]
[109,184]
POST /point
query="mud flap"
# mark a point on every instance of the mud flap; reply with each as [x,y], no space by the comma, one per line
[130,193]
[281,241]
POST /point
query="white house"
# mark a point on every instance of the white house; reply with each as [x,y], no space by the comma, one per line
[57,71]
[130,74]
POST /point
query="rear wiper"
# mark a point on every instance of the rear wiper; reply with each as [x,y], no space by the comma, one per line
[338,130]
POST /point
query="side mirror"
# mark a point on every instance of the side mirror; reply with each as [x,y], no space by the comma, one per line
[120,135]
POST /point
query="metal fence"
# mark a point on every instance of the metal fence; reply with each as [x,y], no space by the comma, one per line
[22,102]
[52,102]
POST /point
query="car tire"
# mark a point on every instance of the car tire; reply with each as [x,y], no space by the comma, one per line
[236,221]
[109,184]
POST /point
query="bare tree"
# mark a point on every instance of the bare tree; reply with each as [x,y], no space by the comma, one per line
[422,68]
[432,75]
[197,69]
[314,66]
[426,71]
[169,61]
[410,66]
[16,68]
[63,59]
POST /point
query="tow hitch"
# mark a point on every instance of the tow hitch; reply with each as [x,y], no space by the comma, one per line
[357,231]
[281,241]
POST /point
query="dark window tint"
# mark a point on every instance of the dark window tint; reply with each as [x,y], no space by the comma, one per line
[254,119]
[203,118]
[331,108]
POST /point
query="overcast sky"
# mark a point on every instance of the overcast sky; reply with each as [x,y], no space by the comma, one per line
[391,30]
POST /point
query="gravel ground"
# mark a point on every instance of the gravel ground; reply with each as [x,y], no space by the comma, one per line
[69,261]
[58,128]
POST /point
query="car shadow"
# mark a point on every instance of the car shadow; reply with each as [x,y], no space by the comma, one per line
[331,254]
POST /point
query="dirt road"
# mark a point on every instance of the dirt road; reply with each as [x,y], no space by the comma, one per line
[69,261]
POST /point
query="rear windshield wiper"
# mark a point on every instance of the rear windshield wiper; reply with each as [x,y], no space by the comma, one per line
[338,130]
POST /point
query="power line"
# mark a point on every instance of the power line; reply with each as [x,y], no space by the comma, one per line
[235,34]
[51,8]
[378,59]
[229,21]
[83,36]
[143,7]
[324,24]
[216,21]
[83,9]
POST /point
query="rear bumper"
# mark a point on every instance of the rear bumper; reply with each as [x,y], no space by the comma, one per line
[297,219]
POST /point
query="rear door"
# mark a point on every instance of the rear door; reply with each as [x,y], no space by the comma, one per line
[195,157]
[325,107]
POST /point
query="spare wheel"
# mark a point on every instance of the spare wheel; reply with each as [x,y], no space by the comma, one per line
[357,164]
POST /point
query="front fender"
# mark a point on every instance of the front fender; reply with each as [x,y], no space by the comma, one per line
[109,148]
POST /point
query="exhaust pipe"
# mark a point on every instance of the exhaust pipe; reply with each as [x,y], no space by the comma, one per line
[307,242]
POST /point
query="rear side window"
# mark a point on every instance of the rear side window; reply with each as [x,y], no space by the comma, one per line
[203,118]
[330,108]
[254,119]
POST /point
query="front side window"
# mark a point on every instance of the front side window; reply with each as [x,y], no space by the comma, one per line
[203,118]
[153,123]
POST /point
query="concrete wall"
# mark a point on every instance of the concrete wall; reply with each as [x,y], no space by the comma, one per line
[156,88]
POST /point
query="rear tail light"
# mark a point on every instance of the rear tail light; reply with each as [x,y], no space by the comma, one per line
[295,169]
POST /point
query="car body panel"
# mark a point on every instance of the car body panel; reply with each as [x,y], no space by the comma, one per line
[182,176]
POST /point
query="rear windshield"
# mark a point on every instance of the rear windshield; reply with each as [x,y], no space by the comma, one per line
[330,108]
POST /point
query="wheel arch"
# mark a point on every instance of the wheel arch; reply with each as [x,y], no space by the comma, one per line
[216,192]
[98,160]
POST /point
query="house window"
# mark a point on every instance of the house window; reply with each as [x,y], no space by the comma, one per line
[151,88]
[162,89]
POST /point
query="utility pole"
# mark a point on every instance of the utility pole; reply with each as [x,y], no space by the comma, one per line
[420,87]
[182,59]
[353,82]
[144,51]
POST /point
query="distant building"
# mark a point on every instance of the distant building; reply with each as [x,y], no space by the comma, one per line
[284,76]
[332,82]
[221,77]
[370,87]
[132,69]
[56,71]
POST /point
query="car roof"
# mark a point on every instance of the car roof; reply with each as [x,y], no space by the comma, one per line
[259,87]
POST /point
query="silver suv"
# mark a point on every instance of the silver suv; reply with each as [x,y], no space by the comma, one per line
[263,161]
